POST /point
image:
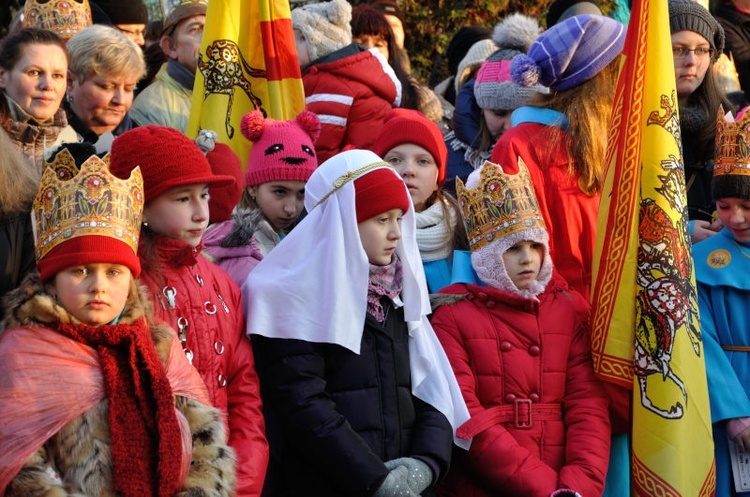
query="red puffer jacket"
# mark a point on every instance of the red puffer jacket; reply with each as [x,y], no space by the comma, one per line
[538,414]
[184,284]
[351,93]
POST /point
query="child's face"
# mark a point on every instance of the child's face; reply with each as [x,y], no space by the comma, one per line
[380,235]
[303,54]
[94,293]
[523,261]
[280,201]
[498,121]
[418,169]
[181,212]
[734,214]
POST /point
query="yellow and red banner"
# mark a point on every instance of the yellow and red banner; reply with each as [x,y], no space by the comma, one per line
[248,60]
[645,324]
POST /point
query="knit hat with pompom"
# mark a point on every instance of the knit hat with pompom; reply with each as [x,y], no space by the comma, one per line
[570,53]
[326,26]
[282,150]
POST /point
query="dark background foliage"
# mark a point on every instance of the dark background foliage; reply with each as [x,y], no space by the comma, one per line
[430,24]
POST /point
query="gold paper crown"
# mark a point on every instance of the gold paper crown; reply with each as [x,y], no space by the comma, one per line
[500,204]
[63,17]
[732,154]
[89,201]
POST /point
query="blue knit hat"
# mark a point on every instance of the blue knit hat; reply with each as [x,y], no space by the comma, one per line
[570,52]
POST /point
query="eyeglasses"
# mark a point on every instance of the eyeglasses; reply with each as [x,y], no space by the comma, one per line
[699,52]
[132,32]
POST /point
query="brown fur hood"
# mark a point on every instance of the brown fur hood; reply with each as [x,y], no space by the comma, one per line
[31,304]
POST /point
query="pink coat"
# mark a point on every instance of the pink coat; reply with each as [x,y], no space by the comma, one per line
[539,416]
[210,302]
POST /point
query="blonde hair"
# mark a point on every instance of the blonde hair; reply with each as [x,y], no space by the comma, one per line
[19,181]
[102,50]
[588,108]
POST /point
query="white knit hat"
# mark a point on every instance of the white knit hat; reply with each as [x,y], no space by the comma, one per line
[326,26]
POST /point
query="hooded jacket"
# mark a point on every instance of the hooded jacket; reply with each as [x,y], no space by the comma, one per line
[351,91]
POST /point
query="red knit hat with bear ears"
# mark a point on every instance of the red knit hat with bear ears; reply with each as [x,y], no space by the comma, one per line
[282,150]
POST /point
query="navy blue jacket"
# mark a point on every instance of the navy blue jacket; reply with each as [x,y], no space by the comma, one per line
[333,417]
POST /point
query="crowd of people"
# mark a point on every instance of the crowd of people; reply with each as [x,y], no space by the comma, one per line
[390,298]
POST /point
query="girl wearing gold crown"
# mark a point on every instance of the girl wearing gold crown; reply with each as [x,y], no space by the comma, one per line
[722,263]
[518,344]
[95,398]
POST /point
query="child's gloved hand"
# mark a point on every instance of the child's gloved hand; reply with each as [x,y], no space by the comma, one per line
[420,474]
[395,484]
[564,492]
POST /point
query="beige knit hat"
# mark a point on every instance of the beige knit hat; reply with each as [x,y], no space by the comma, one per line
[326,26]
[473,59]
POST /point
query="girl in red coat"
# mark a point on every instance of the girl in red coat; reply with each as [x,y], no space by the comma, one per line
[520,351]
[191,294]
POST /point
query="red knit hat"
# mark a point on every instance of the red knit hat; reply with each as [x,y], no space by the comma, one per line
[282,150]
[167,159]
[224,198]
[411,126]
[379,191]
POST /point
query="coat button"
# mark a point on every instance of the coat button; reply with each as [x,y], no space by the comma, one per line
[534,350]
[505,346]
[222,380]
[219,347]
[491,304]
[534,397]
[510,398]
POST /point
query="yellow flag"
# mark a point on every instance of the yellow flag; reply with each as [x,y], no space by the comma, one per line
[248,61]
[645,325]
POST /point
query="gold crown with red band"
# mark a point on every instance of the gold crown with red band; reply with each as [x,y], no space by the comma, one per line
[90,201]
[732,154]
[499,205]
[63,17]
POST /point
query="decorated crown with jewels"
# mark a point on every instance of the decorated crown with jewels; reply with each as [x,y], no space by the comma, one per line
[499,205]
[63,17]
[74,202]
[732,154]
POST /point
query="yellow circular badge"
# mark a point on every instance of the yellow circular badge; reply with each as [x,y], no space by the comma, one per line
[719,258]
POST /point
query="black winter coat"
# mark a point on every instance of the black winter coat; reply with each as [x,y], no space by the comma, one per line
[333,417]
[16,251]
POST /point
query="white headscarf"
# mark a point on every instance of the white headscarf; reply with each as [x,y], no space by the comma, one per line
[313,285]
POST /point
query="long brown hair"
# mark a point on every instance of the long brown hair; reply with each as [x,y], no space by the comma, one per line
[18,180]
[588,108]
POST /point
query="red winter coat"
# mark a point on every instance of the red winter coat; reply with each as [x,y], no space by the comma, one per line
[212,305]
[570,214]
[351,93]
[511,354]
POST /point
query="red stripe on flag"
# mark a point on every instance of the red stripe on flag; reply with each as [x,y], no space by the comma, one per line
[279,50]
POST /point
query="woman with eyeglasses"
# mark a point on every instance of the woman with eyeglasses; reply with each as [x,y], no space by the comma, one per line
[697,41]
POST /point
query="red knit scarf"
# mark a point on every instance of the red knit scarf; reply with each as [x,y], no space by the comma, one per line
[145,433]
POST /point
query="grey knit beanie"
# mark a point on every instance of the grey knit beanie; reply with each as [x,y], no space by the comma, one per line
[326,26]
[688,15]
